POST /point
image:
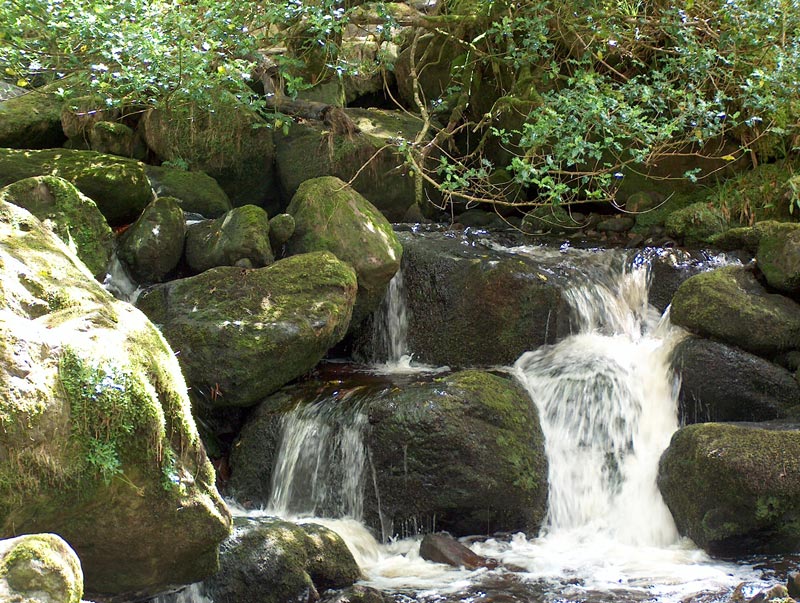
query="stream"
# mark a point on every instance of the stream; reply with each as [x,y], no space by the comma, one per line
[607,401]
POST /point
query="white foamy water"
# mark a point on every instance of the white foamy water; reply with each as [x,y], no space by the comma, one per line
[119,283]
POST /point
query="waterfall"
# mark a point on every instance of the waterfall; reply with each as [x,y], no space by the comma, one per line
[118,281]
[321,461]
[607,401]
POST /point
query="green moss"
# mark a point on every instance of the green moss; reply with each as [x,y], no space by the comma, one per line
[696,223]
[43,562]
[118,186]
[197,191]
[31,121]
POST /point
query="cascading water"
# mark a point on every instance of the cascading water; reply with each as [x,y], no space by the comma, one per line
[320,464]
[607,401]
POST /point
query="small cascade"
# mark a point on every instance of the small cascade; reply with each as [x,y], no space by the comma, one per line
[119,283]
[321,462]
[607,400]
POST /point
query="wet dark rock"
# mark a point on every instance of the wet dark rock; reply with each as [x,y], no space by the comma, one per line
[273,561]
[152,247]
[443,548]
[616,224]
[734,488]
[723,383]
[793,584]
[356,594]
[442,452]
[474,306]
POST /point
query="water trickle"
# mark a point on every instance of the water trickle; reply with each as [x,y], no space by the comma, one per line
[119,283]
[320,466]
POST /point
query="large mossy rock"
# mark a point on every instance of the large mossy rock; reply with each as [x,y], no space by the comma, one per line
[331,216]
[470,305]
[198,192]
[231,144]
[734,488]
[696,223]
[71,214]
[723,383]
[241,334]
[273,561]
[239,238]
[97,441]
[778,257]
[152,247]
[730,305]
[39,568]
[371,156]
[463,453]
[31,121]
[118,186]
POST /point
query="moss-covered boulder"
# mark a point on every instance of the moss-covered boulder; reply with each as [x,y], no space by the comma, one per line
[71,214]
[723,383]
[152,247]
[457,290]
[241,334]
[778,257]
[31,121]
[443,451]
[118,186]
[371,156]
[281,229]
[331,216]
[97,441]
[730,305]
[696,223]
[268,560]
[734,488]
[230,143]
[115,138]
[39,568]
[80,114]
[239,238]
[198,192]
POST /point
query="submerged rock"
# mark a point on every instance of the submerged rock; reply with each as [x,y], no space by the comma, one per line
[39,568]
[331,216]
[239,238]
[274,561]
[734,488]
[97,441]
[730,305]
[241,334]
[723,383]
[118,186]
[152,247]
[443,548]
[71,214]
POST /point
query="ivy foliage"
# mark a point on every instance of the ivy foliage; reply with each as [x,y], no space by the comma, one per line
[567,97]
